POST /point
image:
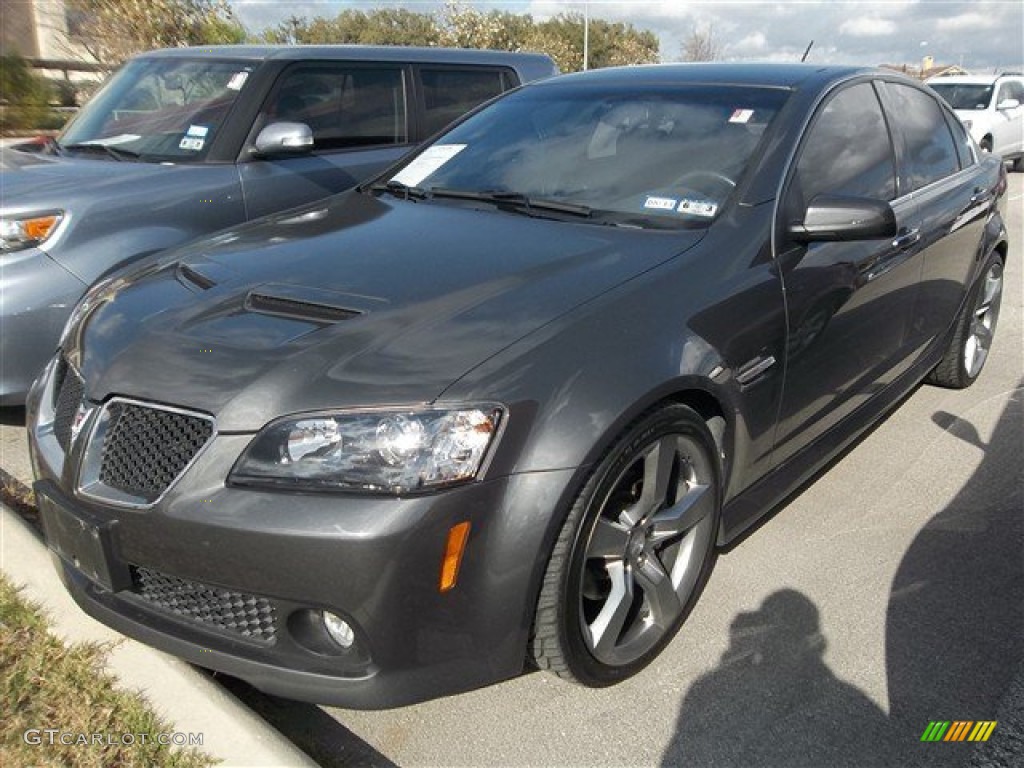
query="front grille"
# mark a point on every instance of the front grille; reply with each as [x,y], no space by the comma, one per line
[70,389]
[146,448]
[246,615]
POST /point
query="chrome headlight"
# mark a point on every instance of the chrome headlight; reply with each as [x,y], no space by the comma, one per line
[393,451]
[26,230]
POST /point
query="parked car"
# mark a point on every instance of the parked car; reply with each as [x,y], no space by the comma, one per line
[180,143]
[992,108]
[502,406]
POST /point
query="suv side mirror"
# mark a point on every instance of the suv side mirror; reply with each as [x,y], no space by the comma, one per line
[284,139]
[1007,104]
[834,217]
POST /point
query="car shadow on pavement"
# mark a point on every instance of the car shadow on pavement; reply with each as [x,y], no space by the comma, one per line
[307,726]
[954,644]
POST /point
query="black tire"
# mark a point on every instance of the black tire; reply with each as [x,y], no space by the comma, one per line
[668,452]
[968,350]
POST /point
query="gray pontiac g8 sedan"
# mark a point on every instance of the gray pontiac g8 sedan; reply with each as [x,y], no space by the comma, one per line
[501,407]
[182,142]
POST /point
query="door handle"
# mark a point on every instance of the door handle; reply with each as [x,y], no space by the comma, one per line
[906,239]
[981,195]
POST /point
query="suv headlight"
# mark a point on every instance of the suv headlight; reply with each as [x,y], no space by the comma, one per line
[393,451]
[24,231]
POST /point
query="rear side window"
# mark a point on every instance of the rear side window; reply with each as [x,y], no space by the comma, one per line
[449,93]
[929,151]
[847,151]
[345,106]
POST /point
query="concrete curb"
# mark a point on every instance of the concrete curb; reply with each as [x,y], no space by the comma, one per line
[176,691]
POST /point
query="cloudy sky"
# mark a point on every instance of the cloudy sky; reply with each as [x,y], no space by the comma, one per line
[982,35]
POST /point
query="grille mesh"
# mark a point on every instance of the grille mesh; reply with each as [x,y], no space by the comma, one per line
[70,390]
[145,449]
[246,615]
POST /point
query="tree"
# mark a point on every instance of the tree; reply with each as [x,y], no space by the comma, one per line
[462,26]
[27,95]
[113,30]
[701,45]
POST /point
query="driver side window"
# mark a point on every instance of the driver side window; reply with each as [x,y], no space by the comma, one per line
[846,152]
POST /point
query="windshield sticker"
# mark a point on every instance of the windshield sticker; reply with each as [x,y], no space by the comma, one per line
[121,138]
[197,131]
[237,81]
[698,207]
[661,203]
[741,116]
[191,142]
[429,161]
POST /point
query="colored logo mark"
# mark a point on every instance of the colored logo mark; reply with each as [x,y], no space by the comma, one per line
[959,730]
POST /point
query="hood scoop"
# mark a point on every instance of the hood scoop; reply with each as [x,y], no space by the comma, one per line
[314,305]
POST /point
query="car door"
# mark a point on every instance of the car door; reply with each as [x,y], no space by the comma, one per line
[359,118]
[1008,129]
[848,304]
[950,205]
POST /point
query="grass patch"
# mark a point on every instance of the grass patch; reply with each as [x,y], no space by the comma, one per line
[45,684]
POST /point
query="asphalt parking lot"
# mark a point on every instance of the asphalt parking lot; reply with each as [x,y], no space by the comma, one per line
[888,594]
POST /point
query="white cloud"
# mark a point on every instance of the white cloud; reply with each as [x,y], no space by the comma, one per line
[966,21]
[866,26]
[756,41]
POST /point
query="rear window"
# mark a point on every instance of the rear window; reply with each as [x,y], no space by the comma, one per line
[450,93]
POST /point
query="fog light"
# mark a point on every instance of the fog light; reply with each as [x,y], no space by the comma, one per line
[339,630]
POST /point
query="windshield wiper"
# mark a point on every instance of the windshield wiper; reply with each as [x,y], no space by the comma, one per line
[515,200]
[398,189]
[117,153]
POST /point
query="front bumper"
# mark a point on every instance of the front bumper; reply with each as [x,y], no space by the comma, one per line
[36,299]
[373,561]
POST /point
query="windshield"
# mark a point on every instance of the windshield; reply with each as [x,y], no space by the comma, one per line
[968,96]
[161,110]
[637,155]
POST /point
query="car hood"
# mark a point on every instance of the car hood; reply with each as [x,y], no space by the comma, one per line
[356,302]
[34,178]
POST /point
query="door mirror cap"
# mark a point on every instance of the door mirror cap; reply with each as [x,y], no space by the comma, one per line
[838,218]
[1007,104]
[284,139]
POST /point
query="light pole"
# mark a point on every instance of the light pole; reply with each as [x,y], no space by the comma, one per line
[586,35]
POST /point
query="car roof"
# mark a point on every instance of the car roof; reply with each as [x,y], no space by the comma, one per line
[760,74]
[394,53]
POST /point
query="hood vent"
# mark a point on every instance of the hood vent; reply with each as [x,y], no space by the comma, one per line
[298,303]
[192,276]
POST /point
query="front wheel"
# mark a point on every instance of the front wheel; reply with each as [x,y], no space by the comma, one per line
[634,553]
[968,350]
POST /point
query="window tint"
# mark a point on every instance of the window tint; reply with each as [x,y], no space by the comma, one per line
[847,152]
[930,154]
[964,144]
[450,93]
[344,106]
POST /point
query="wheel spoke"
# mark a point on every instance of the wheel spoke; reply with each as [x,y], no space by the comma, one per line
[658,465]
[608,540]
[695,505]
[654,580]
[606,628]
[983,334]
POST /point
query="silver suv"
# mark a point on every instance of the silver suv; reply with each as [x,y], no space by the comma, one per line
[992,109]
[180,143]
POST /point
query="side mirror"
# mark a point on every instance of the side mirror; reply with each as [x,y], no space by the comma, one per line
[1007,104]
[284,139]
[833,217]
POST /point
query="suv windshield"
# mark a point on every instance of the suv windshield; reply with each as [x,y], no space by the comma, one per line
[639,155]
[160,110]
[964,95]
